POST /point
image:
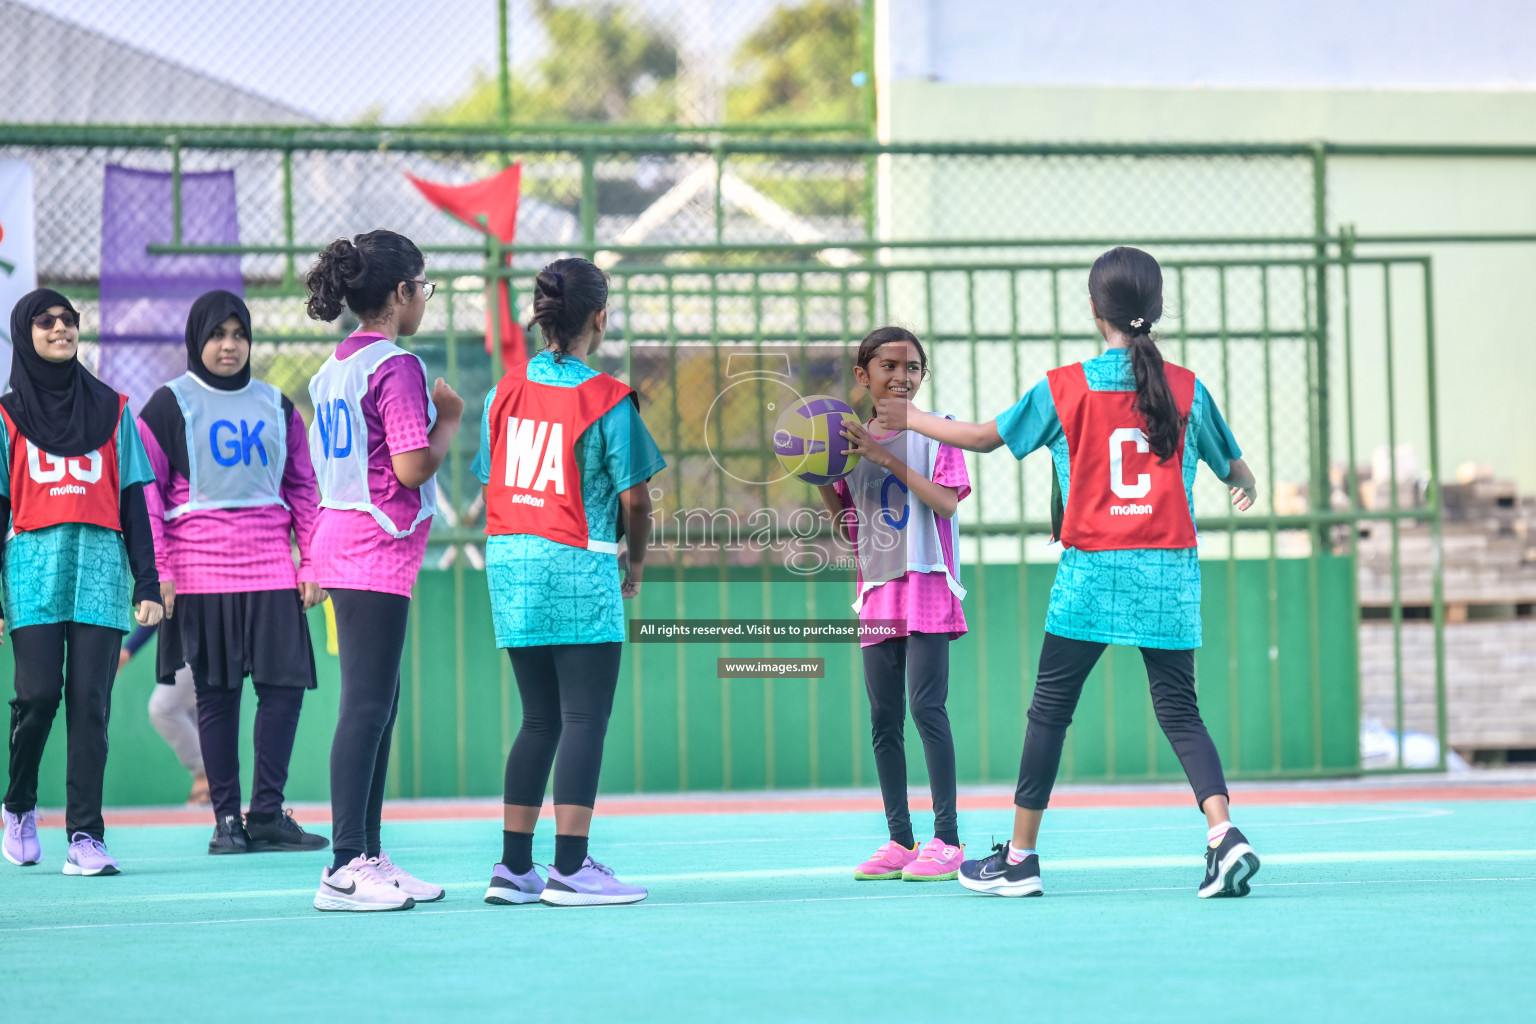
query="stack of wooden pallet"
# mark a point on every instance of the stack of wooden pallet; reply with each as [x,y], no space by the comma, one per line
[1489,551]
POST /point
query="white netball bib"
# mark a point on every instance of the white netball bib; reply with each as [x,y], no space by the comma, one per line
[237,445]
[338,438]
[897,534]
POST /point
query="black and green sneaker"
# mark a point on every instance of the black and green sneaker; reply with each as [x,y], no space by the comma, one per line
[1229,867]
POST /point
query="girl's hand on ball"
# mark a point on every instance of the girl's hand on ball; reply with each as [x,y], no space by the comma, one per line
[863,445]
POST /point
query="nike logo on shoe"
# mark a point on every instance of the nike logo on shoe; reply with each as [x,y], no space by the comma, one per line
[348,891]
[987,874]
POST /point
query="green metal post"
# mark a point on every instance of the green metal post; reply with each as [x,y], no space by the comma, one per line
[1397,569]
[1322,443]
[289,271]
[589,202]
[503,66]
[175,142]
[1437,507]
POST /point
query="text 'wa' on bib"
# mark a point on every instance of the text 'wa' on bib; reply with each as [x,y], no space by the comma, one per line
[535,483]
[1120,496]
[237,445]
[338,437]
[48,489]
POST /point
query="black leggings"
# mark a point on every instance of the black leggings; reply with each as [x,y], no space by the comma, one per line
[567,692]
[1064,666]
[918,666]
[218,731]
[76,662]
[370,634]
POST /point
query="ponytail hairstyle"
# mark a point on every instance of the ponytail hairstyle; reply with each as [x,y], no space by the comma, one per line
[884,336]
[565,294]
[361,273]
[1126,286]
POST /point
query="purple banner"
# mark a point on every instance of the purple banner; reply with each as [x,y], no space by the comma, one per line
[145,299]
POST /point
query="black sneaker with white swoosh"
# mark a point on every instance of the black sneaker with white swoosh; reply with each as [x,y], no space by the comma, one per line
[995,876]
[1229,867]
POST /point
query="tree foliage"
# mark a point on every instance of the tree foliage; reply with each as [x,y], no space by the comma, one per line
[796,67]
[606,62]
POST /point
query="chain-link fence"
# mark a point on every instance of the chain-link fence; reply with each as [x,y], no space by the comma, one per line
[473,62]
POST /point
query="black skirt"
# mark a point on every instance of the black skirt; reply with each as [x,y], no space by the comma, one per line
[263,634]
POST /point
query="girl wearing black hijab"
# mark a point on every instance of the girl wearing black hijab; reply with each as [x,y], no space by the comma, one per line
[72,491]
[233,482]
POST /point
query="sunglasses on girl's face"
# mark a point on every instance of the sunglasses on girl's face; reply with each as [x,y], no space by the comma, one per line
[46,321]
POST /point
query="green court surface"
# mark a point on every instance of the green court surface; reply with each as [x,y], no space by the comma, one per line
[1362,912]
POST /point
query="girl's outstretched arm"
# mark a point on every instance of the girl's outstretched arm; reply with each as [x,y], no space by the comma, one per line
[900,414]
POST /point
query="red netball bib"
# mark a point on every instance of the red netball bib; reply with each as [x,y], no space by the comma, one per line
[50,489]
[535,479]
[1120,495]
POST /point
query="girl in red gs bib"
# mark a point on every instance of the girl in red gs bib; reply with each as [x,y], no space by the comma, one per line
[1126,432]
[79,551]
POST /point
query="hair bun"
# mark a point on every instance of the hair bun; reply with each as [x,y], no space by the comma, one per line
[552,283]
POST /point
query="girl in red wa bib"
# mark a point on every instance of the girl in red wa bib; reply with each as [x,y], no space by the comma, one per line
[566,462]
[1126,432]
[78,552]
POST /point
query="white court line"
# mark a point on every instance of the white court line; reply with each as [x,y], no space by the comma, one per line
[317,916]
[842,870]
[1420,813]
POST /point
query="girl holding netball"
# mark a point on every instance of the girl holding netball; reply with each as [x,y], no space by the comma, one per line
[376,442]
[565,459]
[233,482]
[78,552]
[897,508]
[1126,432]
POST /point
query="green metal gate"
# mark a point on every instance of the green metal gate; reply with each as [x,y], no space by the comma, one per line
[1315,352]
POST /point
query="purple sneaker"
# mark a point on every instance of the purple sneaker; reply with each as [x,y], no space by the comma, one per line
[593,885]
[87,856]
[21,846]
[507,888]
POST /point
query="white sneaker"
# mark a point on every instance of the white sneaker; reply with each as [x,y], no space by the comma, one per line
[358,887]
[421,892]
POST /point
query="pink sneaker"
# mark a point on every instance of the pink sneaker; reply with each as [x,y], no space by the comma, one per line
[936,861]
[888,862]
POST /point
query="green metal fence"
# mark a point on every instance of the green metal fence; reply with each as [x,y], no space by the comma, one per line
[1314,347]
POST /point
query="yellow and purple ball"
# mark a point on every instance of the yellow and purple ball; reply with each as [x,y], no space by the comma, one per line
[808,441]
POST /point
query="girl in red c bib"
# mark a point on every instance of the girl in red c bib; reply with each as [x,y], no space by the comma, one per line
[79,552]
[1126,432]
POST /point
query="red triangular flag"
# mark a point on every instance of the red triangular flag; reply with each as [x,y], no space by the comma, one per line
[488,206]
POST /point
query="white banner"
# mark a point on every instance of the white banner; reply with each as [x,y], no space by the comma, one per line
[18,251]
